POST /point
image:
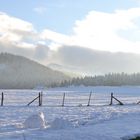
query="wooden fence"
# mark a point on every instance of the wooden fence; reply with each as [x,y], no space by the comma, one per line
[55,98]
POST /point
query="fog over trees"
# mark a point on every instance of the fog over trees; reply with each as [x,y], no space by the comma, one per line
[111,79]
[21,73]
[17,72]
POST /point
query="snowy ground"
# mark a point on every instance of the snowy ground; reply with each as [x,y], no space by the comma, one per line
[72,122]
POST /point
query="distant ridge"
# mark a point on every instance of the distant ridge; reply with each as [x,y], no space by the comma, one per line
[69,70]
[18,72]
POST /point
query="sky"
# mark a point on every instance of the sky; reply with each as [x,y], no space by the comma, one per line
[83,36]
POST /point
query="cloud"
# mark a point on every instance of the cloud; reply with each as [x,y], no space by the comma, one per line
[100,30]
[137,1]
[89,61]
[15,30]
[40,10]
[57,39]
[100,42]
[42,53]
[19,37]
[103,31]
[12,24]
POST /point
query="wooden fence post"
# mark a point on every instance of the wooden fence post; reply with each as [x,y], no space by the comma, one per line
[63,102]
[2,98]
[89,99]
[41,99]
[112,97]
[111,101]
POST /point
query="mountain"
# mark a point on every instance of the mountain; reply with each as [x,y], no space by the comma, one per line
[22,73]
[68,70]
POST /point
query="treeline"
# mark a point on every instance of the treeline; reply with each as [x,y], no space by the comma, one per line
[111,79]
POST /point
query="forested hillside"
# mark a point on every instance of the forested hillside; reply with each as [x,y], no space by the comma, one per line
[20,72]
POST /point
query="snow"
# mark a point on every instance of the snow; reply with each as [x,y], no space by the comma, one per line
[3,67]
[61,123]
[97,122]
[35,121]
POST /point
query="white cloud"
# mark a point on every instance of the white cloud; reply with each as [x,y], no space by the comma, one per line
[14,30]
[19,37]
[57,38]
[99,31]
[137,1]
[12,23]
[40,10]
[97,34]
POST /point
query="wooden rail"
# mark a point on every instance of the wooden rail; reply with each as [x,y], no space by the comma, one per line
[39,97]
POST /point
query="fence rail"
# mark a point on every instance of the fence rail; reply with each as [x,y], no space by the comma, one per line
[61,98]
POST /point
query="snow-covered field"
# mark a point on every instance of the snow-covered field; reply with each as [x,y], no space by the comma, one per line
[74,121]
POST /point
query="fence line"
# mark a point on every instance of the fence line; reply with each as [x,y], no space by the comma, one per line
[57,98]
